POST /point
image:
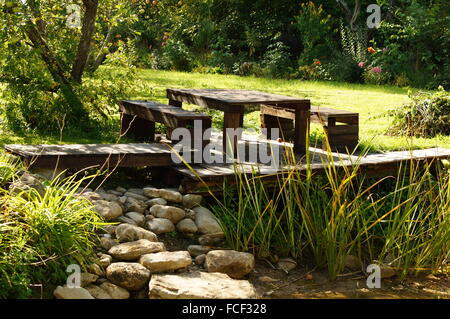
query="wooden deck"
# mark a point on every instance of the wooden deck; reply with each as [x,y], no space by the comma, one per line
[92,155]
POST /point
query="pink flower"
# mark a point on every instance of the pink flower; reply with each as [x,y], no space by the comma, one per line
[362,64]
[376,69]
[385,50]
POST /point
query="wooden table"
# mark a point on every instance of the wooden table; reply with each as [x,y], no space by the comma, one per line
[233,104]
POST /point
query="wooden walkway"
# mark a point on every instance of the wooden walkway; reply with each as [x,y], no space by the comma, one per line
[92,155]
[211,177]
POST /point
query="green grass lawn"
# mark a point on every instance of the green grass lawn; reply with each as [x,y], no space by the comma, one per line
[368,100]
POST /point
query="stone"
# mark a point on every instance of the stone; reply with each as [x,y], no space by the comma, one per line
[135,205]
[110,229]
[166,261]
[122,199]
[135,249]
[91,196]
[233,263]
[65,292]
[286,264]
[192,200]
[113,192]
[171,195]
[196,250]
[187,226]
[121,189]
[106,243]
[124,219]
[97,292]
[213,239]
[127,232]
[156,201]
[172,213]
[49,174]
[138,191]
[109,197]
[190,213]
[151,192]
[267,279]
[139,219]
[87,278]
[141,294]
[199,285]
[160,226]
[108,210]
[200,259]
[131,276]
[387,271]
[104,260]
[25,184]
[96,270]
[115,291]
[206,221]
[352,262]
[136,196]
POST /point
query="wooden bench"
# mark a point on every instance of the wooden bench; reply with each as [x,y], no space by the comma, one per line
[341,137]
[138,119]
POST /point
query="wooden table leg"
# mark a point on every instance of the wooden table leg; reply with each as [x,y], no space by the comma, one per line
[301,131]
[176,103]
[234,121]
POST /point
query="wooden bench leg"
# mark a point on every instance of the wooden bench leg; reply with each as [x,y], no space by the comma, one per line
[137,128]
[176,103]
[342,138]
[286,126]
[301,131]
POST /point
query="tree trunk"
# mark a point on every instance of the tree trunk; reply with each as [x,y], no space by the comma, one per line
[84,46]
[102,54]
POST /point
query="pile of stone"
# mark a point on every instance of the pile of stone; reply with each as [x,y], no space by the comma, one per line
[133,263]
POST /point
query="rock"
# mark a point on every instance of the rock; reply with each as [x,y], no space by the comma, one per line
[110,229]
[190,214]
[108,210]
[121,190]
[172,213]
[71,293]
[196,250]
[187,226]
[134,205]
[139,219]
[122,199]
[91,196]
[198,285]
[106,243]
[141,294]
[104,260]
[170,195]
[127,232]
[97,292]
[166,261]
[25,184]
[151,192]
[131,276]
[267,279]
[156,201]
[135,249]
[96,270]
[113,192]
[87,278]
[352,262]
[126,220]
[49,174]
[233,263]
[213,239]
[206,221]
[160,225]
[138,191]
[200,259]
[192,200]
[109,197]
[136,196]
[387,271]
[287,264]
[115,291]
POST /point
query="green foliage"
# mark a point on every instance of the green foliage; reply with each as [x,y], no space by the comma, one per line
[427,115]
[41,235]
[276,61]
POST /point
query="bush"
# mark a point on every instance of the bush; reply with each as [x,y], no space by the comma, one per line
[426,116]
[41,235]
[276,61]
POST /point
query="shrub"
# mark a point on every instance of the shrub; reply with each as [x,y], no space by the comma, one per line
[276,61]
[41,235]
[426,116]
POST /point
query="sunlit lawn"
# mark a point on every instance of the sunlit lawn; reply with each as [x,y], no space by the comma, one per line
[368,100]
